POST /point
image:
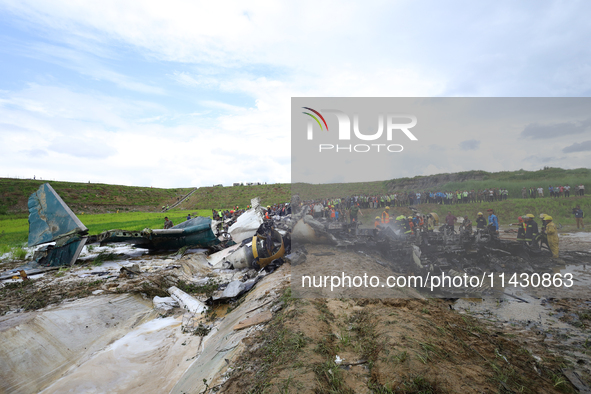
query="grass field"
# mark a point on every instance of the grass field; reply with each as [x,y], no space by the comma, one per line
[90,201]
[14,194]
[15,231]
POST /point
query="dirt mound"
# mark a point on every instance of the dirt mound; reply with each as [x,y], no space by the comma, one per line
[343,345]
[386,346]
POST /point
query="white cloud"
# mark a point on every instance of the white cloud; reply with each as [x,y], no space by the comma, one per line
[210,98]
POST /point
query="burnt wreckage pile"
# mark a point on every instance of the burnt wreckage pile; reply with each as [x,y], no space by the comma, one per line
[432,253]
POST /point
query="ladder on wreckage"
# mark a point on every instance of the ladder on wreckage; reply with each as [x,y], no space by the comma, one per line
[181,200]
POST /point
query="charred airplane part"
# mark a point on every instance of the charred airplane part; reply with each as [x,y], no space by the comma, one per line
[195,232]
[427,252]
[51,220]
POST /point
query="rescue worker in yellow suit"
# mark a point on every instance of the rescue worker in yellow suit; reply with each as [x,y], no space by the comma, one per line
[543,236]
[386,216]
[552,236]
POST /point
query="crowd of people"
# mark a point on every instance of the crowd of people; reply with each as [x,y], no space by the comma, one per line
[350,208]
[553,191]
[282,209]
[401,199]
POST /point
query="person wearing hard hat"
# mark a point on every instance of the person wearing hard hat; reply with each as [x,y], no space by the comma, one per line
[521,229]
[386,215]
[531,229]
[406,223]
[480,221]
[542,216]
[377,222]
[552,234]
[430,223]
[543,236]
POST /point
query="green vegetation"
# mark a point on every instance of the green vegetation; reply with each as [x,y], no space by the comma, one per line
[513,181]
[14,252]
[14,194]
[88,198]
[14,231]
[308,191]
[507,211]
[225,197]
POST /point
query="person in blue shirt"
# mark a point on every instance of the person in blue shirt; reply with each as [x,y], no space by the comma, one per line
[493,221]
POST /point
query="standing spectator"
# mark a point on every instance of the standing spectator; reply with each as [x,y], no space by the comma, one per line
[579,216]
[581,190]
[567,191]
[540,192]
[353,213]
[450,220]
[493,221]
[167,223]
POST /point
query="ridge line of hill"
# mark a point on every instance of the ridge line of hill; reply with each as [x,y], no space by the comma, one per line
[100,198]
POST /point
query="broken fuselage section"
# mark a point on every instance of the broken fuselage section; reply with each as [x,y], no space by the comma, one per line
[52,222]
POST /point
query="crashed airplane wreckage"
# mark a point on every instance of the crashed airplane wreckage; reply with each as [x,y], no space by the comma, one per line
[253,242]
[438,252]
[53,223]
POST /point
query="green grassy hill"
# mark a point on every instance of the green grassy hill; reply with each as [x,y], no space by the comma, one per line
[87,197]
[513,181]
[91,201]
[226,197]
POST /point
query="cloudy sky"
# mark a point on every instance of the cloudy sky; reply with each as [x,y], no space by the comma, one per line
[187,93]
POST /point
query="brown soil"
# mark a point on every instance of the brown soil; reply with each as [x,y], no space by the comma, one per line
[389,346]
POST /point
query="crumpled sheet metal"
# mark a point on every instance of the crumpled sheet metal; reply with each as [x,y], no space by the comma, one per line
[50,217]
[196,232]
[247,223]
[37,348]
[226,343]
[186,301]
[65,252]
[309,230]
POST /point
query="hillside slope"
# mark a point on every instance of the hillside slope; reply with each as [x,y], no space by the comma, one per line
[100,198]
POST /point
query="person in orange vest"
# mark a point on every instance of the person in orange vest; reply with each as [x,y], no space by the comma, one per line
[411,225]
[332,213]
[386,216]
[377,222]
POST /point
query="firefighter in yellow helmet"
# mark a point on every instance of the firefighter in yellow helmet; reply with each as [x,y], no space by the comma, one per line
[552,236]
[377,222]
[386,216]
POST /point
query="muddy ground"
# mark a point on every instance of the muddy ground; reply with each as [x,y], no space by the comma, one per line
[415,344]
[402,346]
